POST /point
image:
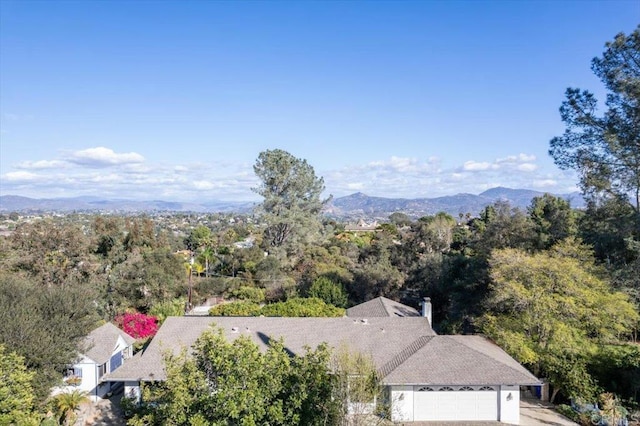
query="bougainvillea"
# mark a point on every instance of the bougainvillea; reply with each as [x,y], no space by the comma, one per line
[137,325]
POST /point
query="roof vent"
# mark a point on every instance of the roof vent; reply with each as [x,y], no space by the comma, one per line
[364,321]
[234,329]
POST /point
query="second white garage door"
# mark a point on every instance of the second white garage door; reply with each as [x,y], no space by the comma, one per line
[455,403]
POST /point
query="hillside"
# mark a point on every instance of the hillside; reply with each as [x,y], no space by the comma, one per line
[356,205]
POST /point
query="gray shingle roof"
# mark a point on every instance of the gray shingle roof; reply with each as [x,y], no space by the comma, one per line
[382,307]
[382,338]
[101,342]
[406,350]
[460,360]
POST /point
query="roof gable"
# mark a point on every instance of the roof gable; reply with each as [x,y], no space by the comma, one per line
[381,307]
[102,341]
[460,360]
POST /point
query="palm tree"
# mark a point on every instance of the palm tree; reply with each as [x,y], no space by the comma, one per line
[207,255]
[67,403]
[198,268]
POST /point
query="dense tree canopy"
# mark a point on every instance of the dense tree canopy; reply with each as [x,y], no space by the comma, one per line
[551,310]
[45,326]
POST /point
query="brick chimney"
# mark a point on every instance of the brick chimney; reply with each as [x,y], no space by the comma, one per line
[426,309]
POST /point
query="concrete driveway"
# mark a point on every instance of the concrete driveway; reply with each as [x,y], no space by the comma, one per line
[535,412]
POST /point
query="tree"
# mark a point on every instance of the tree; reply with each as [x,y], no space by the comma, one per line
[358,388]
[55,254]
[502,226]
[605,149]
[236,309]
[17,399]
[199,237]
[168,308]
[328,291]
[551,310]
[294,307]
[291,192]
[235,383]
[553,220]
[301,307]
[146,278]
[45,326]
[434,233]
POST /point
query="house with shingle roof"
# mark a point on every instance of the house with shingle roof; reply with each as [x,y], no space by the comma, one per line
[105,349]
[426,376]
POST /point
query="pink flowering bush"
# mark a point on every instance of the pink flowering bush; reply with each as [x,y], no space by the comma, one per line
[137,325]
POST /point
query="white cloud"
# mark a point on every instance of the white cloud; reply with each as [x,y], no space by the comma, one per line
[107,178]
[203,185]
[544,183]
[520,158]
[394,177]
[355,186]
[21,176]
[527,167]
[42,164]
[473,166]
[101,157]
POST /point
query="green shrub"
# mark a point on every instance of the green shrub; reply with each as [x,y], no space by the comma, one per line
[249,294]
[235,309]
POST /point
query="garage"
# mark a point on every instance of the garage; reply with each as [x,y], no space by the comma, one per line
[448,403]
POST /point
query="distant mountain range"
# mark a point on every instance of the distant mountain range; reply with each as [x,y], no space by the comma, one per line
[14,203]
[361,205]
[353,206]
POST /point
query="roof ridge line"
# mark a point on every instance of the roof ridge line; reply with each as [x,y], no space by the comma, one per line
[404,355]
[384,305]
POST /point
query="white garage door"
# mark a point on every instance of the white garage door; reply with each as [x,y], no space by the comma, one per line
[455,403]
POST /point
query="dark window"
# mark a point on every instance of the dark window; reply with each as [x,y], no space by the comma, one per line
[101,370]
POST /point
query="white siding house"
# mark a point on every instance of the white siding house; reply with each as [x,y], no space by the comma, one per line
[105,349]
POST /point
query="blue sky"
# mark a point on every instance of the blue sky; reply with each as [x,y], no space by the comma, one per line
[175,100]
